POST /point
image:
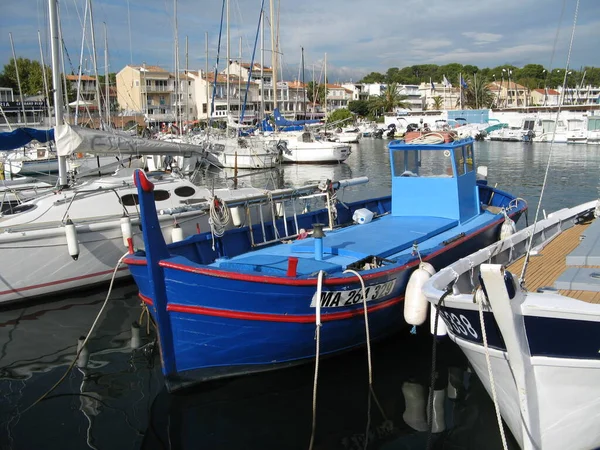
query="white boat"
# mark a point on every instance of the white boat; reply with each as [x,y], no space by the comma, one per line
[539,356]
[247,153]
[304,148]
[593,130]
[576,131]
[31,160]
[347,135]
[37,259]
[16,191]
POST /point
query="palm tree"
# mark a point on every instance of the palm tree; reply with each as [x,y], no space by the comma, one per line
[477,94]
[438,103]
[389,99]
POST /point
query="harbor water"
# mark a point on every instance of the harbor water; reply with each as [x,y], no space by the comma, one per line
[114,397]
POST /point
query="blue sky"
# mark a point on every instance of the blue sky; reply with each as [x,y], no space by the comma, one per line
[358,36]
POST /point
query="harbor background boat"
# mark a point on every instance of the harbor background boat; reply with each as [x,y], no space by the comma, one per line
[122,404]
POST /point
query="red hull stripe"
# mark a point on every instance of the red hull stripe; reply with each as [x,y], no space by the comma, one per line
[146,300]
[54,283]
[305,318]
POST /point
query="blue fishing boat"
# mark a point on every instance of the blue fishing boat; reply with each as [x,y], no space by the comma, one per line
[249,299]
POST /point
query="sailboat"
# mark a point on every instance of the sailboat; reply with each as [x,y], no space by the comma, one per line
[76,234]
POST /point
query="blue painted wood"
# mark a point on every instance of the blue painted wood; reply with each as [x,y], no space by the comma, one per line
[579,279]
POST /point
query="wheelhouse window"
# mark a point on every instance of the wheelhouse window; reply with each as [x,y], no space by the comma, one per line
[460,161]
[469,157]
[423,163]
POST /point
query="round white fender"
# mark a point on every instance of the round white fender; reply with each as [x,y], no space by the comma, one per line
[72,243]
[176,233]
[508,228]
[126,230]
[415,302]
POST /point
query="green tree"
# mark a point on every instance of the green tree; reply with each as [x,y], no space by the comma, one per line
[31,76]
[388,100]
[315,92]
[477,94]
[438,103]
[339,115]
[373,77]
[359,107]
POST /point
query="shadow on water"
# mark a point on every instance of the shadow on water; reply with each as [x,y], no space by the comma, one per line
[274,410]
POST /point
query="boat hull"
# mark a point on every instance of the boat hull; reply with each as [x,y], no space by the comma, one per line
[226,326]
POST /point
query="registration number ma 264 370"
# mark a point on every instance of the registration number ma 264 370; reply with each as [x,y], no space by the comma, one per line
[336,299]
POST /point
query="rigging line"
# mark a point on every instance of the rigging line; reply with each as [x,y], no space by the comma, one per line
[260,15]
[528,254]
[214,93]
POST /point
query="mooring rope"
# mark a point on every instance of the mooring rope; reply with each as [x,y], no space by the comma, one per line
[317,349]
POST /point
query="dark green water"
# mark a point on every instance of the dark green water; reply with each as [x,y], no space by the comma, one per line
[118,400]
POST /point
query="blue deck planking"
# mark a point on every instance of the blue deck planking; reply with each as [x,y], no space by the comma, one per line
[579,279]
[381,237]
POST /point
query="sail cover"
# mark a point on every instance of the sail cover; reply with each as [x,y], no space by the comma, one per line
[71,139]
[21,136]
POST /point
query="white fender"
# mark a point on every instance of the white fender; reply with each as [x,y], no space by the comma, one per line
[72,243]
[441,325]
[415,302]
[439,417]
[508,228]
[176,233]
[237,215]
[126,230]
[415,406]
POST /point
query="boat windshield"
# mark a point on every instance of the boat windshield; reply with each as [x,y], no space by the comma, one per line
[424,163]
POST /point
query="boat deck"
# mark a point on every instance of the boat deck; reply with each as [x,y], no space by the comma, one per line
[543,270]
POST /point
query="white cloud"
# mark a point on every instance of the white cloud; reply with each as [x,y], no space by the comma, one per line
[482,38]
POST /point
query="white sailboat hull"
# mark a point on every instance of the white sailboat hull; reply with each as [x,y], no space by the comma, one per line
[316,152]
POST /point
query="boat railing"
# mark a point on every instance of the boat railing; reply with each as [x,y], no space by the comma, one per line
[462,276]
[278,204]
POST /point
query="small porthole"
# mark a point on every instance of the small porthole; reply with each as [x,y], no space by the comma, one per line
[185,191]
[130,200]
[160,195]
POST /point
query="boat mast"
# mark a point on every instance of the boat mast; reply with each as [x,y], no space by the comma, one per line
[56,84]
[273,55]
[240,84]
[207,86]
[177,77]
[262,63]
[228,64]
[95,63]
[45,79]
[187,82]
[85,15]
[18,79]
[106,76]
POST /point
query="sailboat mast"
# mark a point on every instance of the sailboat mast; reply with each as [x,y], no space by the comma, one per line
[187,82]
[262,64]
[303,85]
[62,62]
[273,54]
[106,80]
[45,78]
[18,78]
[56,84]
[78,93]
[207,85]
[177,78]
[228,60]
[95,61]
[240,83]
